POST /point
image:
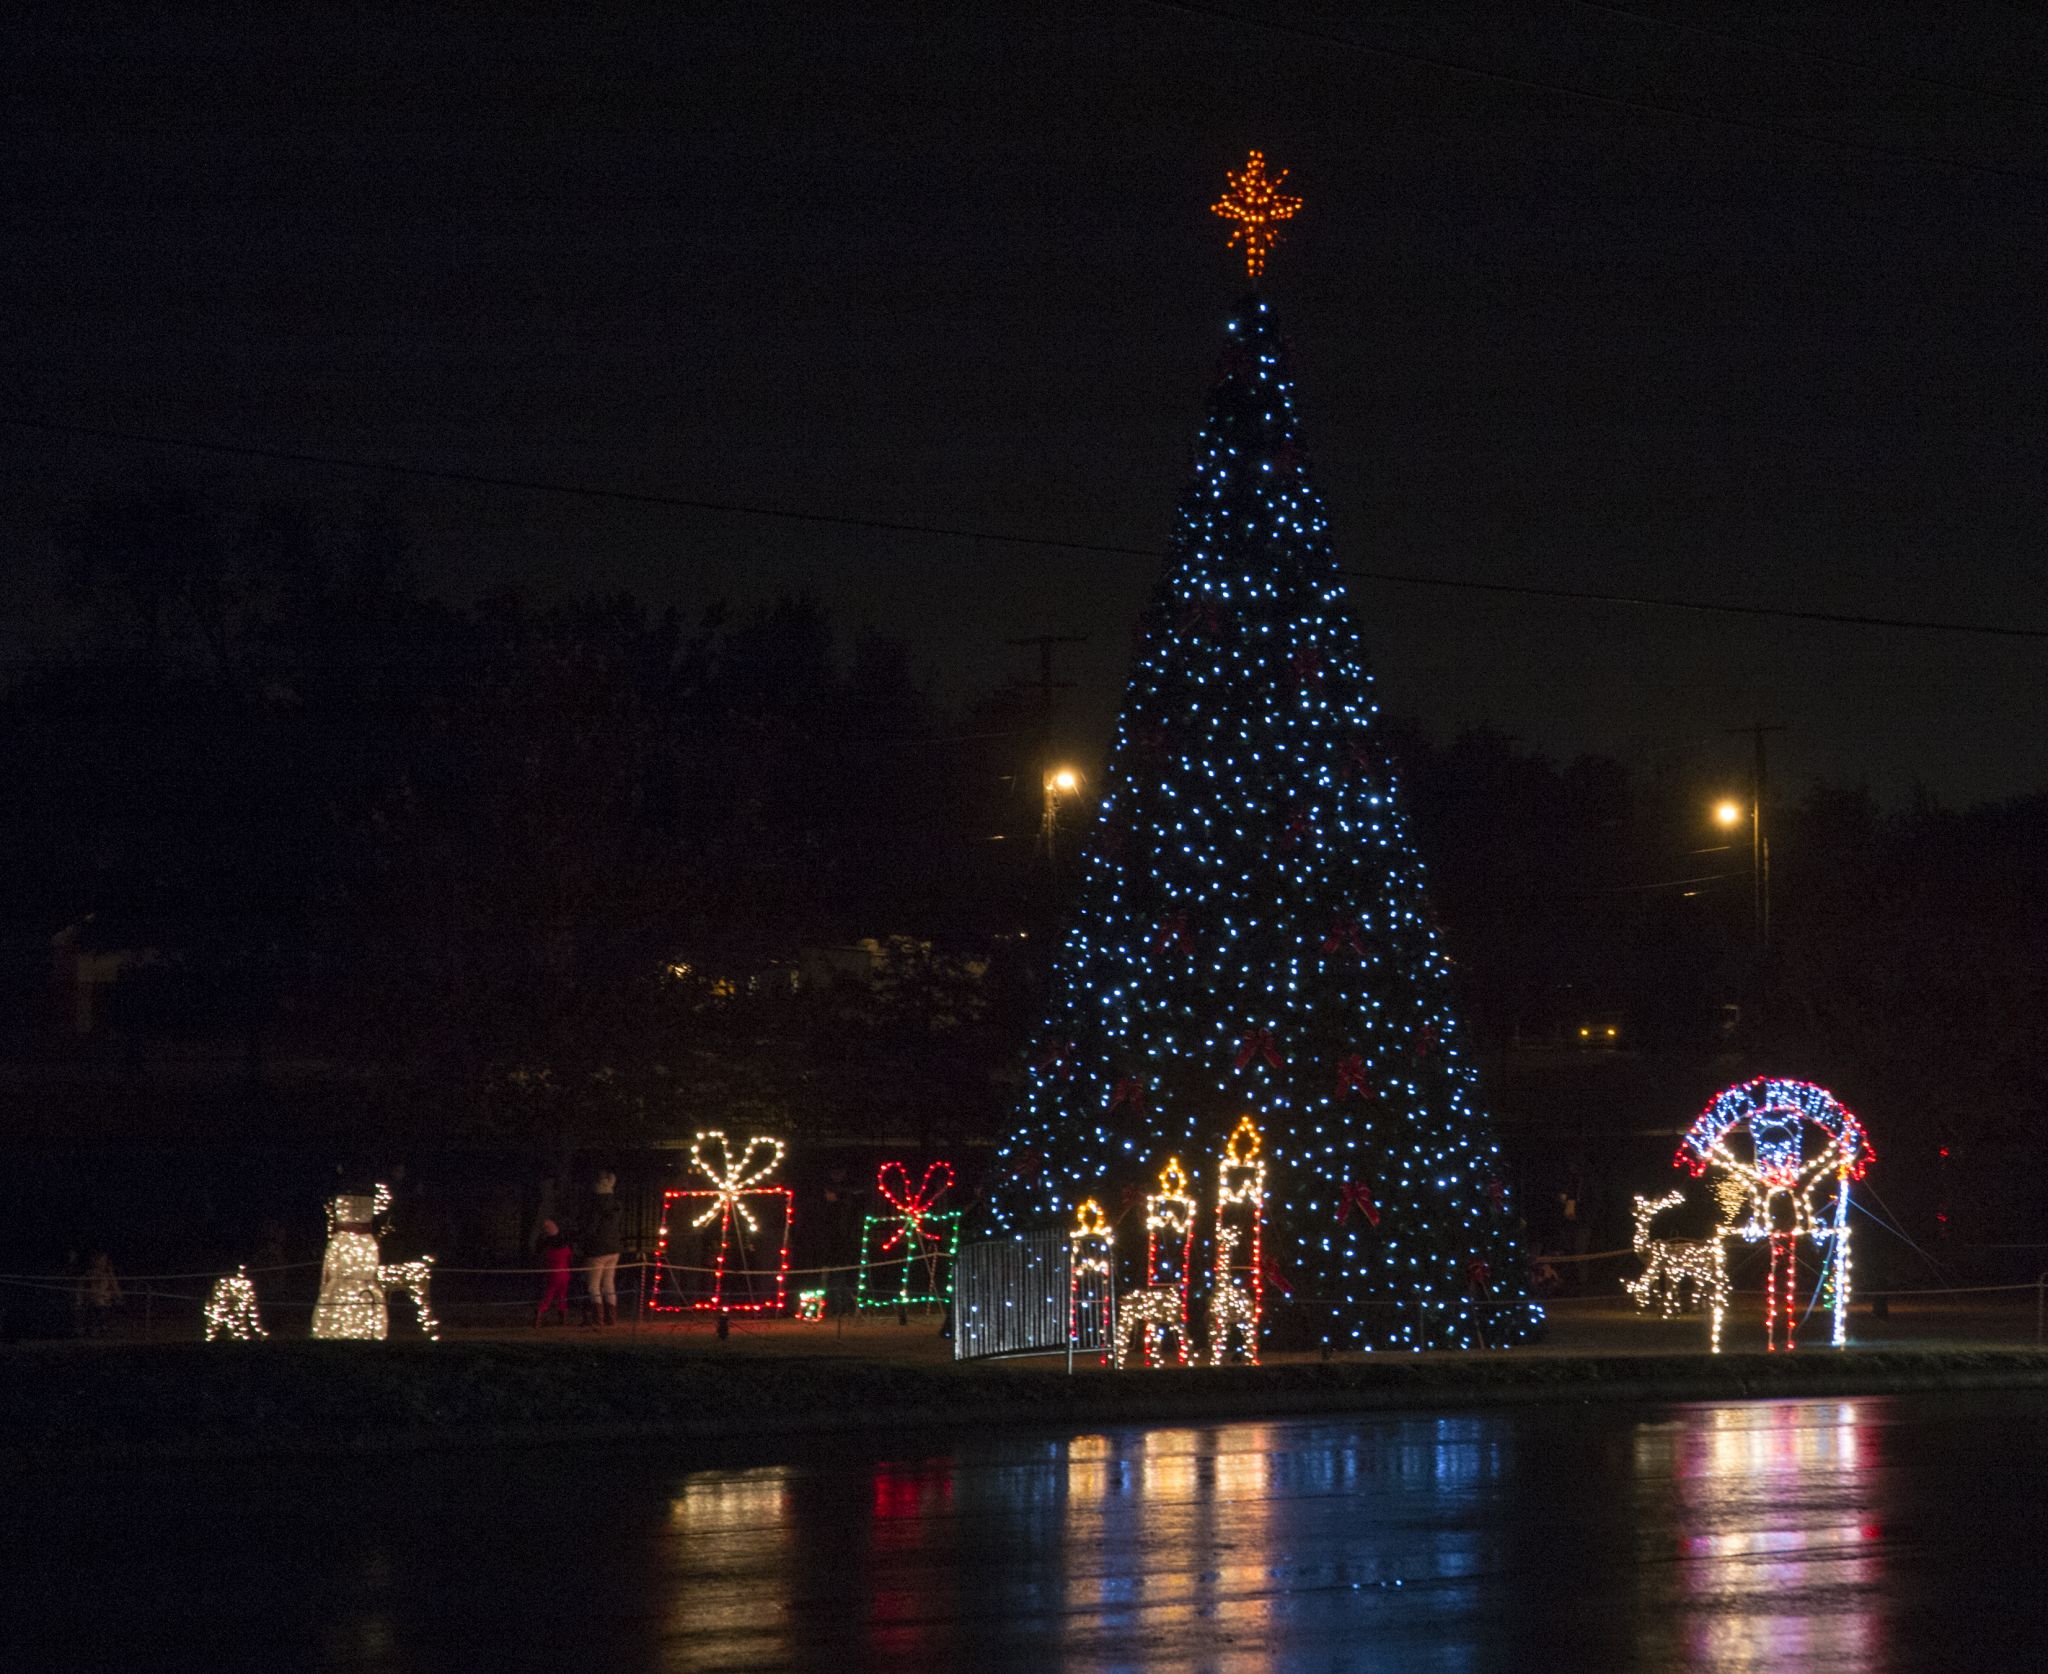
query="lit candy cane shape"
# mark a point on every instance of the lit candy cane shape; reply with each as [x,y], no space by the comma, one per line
[928,1239]
[1782,1180]
[737,1191]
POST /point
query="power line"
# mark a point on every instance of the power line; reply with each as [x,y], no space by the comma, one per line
[993,537]
[1909,76]
[1845,619]
[1220,14]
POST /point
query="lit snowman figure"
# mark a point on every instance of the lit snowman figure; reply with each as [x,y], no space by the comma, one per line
[354,1282]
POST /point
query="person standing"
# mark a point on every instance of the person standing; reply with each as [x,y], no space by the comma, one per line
[100,1295]
[553,1250]
[601,1244]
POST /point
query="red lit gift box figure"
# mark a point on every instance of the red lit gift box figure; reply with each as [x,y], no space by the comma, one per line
[724,1248]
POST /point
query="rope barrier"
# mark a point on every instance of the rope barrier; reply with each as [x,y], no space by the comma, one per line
[69,1281]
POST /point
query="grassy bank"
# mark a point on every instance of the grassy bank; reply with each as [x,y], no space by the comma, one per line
[194,1399]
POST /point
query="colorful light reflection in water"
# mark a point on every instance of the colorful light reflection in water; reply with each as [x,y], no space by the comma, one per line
[1780,1545]
[1826,1536]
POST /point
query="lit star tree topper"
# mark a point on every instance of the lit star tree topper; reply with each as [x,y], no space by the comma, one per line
[1258,207]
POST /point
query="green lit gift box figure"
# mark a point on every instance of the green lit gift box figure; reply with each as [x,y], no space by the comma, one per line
[906,1256]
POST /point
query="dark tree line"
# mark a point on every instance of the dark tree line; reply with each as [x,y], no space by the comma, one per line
[1907,967]
[524,870]
[572,874]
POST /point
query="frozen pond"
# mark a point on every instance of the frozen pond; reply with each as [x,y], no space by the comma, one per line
[1851,1534]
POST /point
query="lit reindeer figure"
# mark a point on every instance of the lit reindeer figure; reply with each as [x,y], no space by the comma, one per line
[354,1284]
[1160,1309]
[1234,1301]
[1670,1264]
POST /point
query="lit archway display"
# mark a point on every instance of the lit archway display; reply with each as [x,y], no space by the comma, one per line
[1785,1141]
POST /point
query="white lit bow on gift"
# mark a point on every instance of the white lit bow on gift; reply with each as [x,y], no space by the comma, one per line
[729,1178]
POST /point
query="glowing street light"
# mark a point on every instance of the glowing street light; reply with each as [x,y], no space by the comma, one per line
[1731,815]
[1059,782]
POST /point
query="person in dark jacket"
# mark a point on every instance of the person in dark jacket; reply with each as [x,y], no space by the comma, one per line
[553,1249]
[600,1239]
[99,1294]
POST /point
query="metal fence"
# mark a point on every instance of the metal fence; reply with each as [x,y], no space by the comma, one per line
[1011,1296]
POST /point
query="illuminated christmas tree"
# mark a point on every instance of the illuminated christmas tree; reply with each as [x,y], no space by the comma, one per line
[1251,934]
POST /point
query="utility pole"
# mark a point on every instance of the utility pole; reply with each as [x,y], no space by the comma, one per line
[1045,683]
[1759,839]
[1053,780]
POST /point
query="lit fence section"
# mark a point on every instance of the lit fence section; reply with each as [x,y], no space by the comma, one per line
[1014,1296]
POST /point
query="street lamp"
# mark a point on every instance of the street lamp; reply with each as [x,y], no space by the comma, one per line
[1058,782]
[1729,814]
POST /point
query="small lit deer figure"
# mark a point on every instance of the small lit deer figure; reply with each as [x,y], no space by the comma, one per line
[231,1310]
[1670,1264]
[1240,1210]
[1160,1309]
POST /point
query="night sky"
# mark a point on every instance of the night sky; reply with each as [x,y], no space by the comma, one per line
[949,267]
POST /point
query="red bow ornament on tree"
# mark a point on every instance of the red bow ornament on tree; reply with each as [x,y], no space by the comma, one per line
[1128,1090]
[1258,1044]
[1351,1076]
[1357,1195]
[1202,615]
[1307,668]
[1173,935]
[1425,1040]
[892,1180]
[1346,932]
[1054,1059]
[1272,1278]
